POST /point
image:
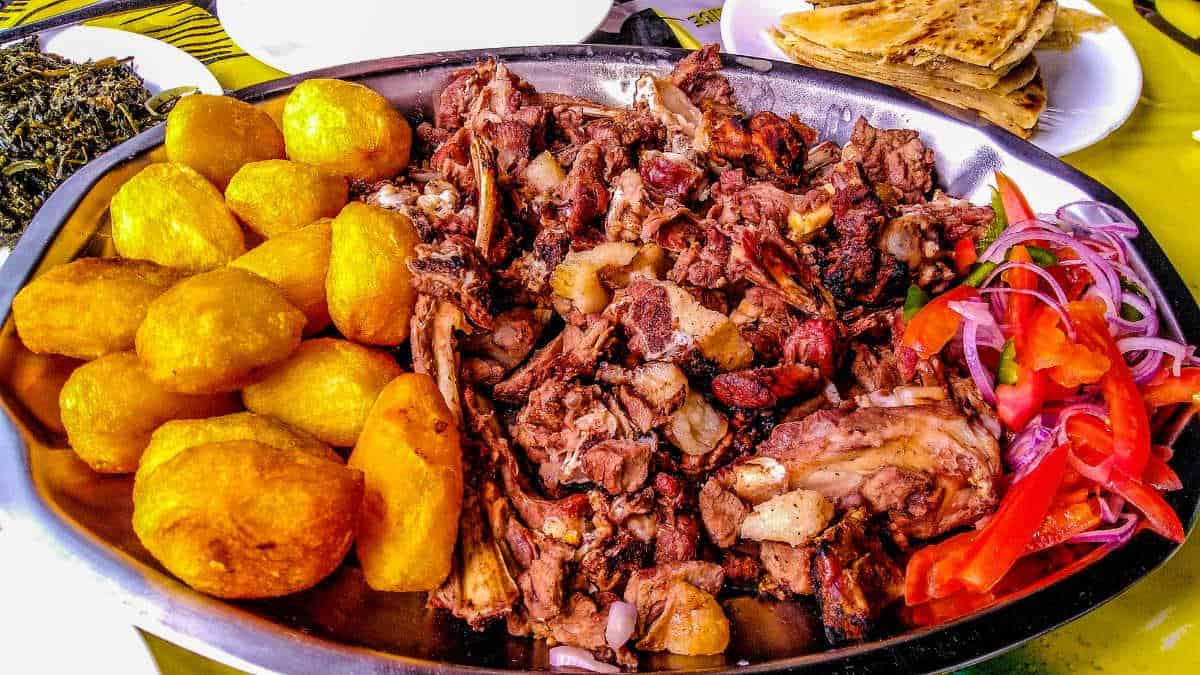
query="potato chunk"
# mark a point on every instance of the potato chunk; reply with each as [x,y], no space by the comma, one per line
[411,459]
[175,436]
[173,216]
[212,332]
[110,407]
[276,196]
[347,129]
[243,519]
[369,287]
[90,307]
[217,135]
[326,388]
[297,262]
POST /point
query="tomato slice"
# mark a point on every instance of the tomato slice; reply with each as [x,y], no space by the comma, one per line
[1016,404]
[1016,208]
[965,254]
[935,324]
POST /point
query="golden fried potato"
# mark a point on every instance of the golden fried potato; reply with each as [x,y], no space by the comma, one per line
[175,436]
[243,519]
[110,407]
[326,387]
[411,459]
[217,135]
[346,128]
[212,332]
[369,287]
[297,262]
[89,307]
[173,216]
[276,196]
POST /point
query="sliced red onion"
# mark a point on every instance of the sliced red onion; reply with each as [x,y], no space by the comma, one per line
[1028,447]
[1107,514]
[574,657]
[1046,276]
[1120,222]
[987,331]
[622,620]
[1102,270]
[1067,412]
[1062,313]
[981,375]
[1176,350]
[1114,536]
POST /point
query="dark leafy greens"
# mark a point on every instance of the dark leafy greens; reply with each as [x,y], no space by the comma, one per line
[56,116]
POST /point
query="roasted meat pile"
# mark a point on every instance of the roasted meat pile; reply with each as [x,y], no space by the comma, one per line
[669,331]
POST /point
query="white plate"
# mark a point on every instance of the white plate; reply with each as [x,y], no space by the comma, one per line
[301,35]
[1091,89]
[160,65]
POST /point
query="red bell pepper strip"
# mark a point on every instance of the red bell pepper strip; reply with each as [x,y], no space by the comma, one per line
[1168,389]
[1016,208]
[920,582]
[931,328]
[965,254]
[1159,515]
[1160,476]
[1126,409]
[1008,533]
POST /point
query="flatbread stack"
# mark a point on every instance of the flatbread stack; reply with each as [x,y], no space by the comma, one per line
[972,54]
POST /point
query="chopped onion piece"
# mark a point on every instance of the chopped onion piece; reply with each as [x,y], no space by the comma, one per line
[1176,350]
[1049,278]
[1114,536]
[1062,313]
[981,375]
[574,657]
[622,620]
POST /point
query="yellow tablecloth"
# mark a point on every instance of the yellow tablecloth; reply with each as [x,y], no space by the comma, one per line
[1152,162]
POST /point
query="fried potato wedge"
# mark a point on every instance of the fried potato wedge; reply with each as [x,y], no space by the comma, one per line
[175,436]
[110,407]
[369,287]
[345,128]
[297,262]
[213,332]
[243,519]
[89,307]
[217,135]
[173,216]
[411,458]
[276,196]
[326,387]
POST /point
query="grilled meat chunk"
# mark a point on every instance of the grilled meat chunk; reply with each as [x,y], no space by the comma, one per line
[896,157]
[929,468]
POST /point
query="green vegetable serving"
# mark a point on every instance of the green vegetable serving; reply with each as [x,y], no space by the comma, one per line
[56,116]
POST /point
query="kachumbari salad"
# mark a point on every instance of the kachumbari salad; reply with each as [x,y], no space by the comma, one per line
[1061,336]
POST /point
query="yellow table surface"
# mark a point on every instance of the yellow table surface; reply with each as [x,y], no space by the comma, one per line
[1152,162]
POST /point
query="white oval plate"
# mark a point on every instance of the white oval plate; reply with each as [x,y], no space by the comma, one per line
[1091,90]
[160,65]
[296,37]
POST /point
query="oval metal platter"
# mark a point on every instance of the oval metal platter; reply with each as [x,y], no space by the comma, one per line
[280,637]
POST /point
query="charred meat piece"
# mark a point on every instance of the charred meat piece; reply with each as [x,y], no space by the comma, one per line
[764,387]
[853,577]
[583,196]
[480,587]
[699,76]
[929,468]
[512,337]
[896,157]
[670,174]
[453,270]
[572,352]
[855,270]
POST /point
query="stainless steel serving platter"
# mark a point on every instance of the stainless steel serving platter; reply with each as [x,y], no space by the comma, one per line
[66,533]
